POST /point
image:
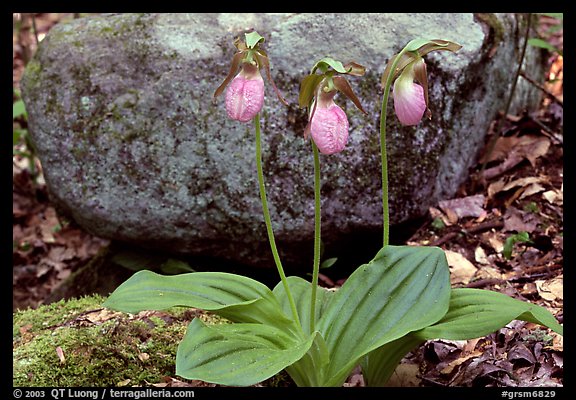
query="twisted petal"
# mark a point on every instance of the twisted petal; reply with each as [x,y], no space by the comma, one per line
[329,129]
[244,97]
[409,101]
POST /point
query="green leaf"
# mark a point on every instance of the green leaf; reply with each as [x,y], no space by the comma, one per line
[18,109]
[475,313]
[328,263]
[136,260]
[537,42]
[235,297]
[511,241]
[310,370]
[237,354]
[301,291]
[17,135]
[404,288]
[252,39]
[379,365]
[174,267]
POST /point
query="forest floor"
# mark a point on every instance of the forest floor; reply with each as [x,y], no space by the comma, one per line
[503,231]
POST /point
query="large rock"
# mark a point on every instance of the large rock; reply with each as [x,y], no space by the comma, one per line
[135,149]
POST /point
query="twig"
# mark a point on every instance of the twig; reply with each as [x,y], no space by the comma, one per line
[542,88]
[475,229]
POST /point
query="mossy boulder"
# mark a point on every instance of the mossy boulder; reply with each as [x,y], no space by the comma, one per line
[134,147]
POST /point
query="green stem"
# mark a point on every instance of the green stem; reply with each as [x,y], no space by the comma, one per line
[383,153]
[384,165]
[317,225]
[269,222]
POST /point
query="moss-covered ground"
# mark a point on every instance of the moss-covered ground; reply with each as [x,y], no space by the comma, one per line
[78,343]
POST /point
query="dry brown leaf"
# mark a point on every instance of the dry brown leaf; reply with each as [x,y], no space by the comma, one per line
[450,367]
[405,375]
[532,189]
[512,150]
[461,270]
[554,196]
[517,221]
[480,256]
[469,206]
[551,289]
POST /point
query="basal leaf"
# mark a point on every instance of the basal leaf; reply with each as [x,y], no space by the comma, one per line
[237,354]
[379,365]
[235,297]
[403,289]
[300,289]
[475,313]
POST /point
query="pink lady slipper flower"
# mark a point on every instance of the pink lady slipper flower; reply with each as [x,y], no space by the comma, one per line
[328,123]
[245,93]
[411,98]
[408,72]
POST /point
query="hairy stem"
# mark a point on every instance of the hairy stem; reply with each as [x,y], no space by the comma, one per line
[266,213]
[383,153]
[317,227]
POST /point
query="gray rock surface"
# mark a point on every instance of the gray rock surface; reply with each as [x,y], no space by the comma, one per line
[135,148]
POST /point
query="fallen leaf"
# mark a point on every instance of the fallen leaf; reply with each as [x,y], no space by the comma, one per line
[469,206]
[512,150]
[496,244]
[522,182]
[450,367]
[461,270]
[551,289]
[521,352]
[554,196]
[405,375]
[480,256]
[144,356]
[519,221]
[125,382]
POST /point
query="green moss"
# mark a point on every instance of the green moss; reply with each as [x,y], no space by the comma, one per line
[100,347]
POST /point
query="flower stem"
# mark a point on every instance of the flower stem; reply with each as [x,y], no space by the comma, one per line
[383,152]
[317,225]
[266,213]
